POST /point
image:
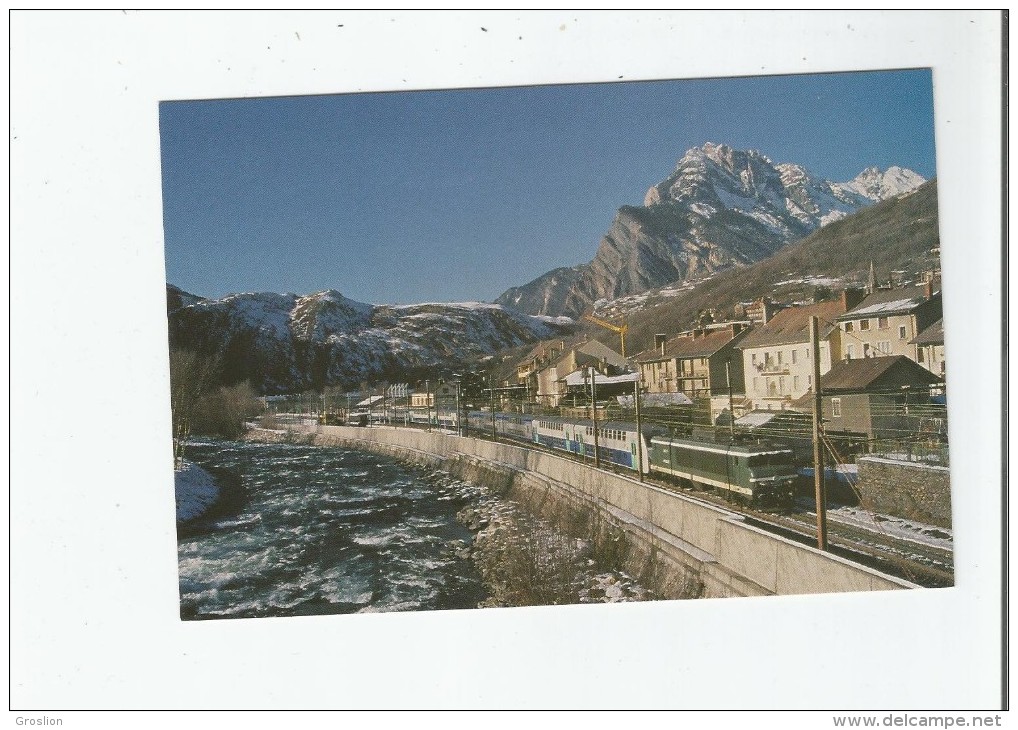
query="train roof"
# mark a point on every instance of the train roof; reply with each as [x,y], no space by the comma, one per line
[623,425]
[741,449]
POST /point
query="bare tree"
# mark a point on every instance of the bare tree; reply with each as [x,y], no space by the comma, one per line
[192,376]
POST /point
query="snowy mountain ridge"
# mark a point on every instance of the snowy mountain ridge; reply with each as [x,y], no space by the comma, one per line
[285,342]
[719,208]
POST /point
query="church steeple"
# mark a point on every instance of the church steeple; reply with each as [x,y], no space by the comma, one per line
[872,285]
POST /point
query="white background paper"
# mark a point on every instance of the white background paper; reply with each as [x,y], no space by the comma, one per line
[94,603]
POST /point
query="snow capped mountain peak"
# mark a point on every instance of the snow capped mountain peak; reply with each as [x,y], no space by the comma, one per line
[720,207]
[724,156]
[874,185]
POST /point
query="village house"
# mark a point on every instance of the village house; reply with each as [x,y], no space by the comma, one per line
[777,357]
[696,363]
[551,385]
[878,398]
[435,397]
[540,356]
[886,321]
[445,397]
[761,311]
[930,349]
[422,399]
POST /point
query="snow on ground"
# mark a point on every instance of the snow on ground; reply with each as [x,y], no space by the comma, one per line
[897,527]
[828,281]
[196,491]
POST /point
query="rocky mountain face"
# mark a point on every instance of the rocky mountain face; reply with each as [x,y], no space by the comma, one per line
[287,342]
[899,237]
[720,208]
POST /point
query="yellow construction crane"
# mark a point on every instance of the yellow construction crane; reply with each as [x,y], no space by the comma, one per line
[621,329]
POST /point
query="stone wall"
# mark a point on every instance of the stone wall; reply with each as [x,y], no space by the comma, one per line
[906,489]
[687,540]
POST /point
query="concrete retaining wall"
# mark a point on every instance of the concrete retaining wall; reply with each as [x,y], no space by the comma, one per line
[729,557]
[914,491]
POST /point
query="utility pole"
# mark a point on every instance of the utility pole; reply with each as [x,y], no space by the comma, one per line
[427,390]
[593,417]
[639,428]
[731,401]
[818,454]
[491,383]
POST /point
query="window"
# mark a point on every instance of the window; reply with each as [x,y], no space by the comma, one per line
[919,353]
[836,407]
[849,352]
[849,326]
[752,358]
[795,383]
[864,324]
[901,332]
[884,347]
[865,349]
[882,323]
[793,357]
[779,357]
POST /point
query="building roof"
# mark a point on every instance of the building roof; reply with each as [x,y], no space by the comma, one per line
[791,326]
[657,400]
[875,373]
[540,350]
[886,302]
[760,418]
[687,346]
[932,335]
[594,350]
[582,377]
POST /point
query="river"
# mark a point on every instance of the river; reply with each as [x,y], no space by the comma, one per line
[306,530]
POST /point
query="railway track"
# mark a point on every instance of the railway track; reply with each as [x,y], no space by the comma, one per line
[923,564]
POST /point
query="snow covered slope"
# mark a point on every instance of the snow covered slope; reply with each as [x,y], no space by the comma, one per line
[283,342]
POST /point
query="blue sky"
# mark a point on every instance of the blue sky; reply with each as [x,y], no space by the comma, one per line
[458,195]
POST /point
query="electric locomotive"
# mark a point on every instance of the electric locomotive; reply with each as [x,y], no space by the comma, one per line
[745,473]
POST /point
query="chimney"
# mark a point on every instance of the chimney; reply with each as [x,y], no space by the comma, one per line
[928,288]
[850,298]
[659,343]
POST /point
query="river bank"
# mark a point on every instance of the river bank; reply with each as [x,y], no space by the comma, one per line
[196,491]
[526,553]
